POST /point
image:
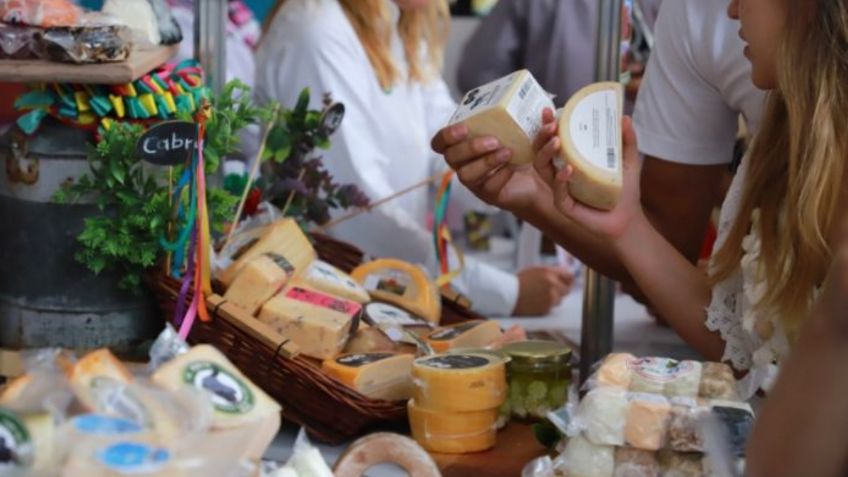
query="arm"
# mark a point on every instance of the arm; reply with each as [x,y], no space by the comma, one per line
[495,48]
[805,418]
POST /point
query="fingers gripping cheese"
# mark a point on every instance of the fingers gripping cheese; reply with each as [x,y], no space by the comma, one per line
[459,382]
[590,132]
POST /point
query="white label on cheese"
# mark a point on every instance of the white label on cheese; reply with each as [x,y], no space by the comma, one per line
[391,281]
[527,105]
[660,370]
[482,98]
[595,130]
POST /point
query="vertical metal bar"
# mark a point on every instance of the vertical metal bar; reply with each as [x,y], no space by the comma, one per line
[599,294]
[210,28]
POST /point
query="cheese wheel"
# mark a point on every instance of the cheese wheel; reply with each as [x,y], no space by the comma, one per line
[95,373]
[590,132]
[401,284]
[459,382]
[324,277]
[472,334]
[258,281]
[235,400]
[510,109]
[284,238]
[453,432]
[319,324]
[384,376]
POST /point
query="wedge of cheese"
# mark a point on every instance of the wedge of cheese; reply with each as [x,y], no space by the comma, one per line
[258,281]
[385,376]
[459,382]
[95,376]
[284,238]
[402,284]
[324,277]
[509,109]
[317,323]
[453,432]
[472,334]
[236,401]
[590,131]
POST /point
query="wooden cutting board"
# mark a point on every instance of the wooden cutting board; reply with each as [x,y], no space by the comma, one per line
[515,447]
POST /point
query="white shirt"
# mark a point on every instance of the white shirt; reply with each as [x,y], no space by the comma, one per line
[383,144]
[697,83]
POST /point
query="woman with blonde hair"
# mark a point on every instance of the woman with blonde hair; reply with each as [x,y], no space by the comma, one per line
[382,59]
[777,223]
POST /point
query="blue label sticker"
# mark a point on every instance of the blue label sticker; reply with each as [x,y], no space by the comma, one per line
[97,424]
[133,457]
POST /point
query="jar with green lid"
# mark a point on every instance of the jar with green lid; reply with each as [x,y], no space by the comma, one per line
[539,374]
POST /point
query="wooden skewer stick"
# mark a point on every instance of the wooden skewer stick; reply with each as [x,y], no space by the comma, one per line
[254,169]
[375,204]
[291,194]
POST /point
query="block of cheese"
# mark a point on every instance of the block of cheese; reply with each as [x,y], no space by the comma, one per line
[453,432]
[284,238]
[235,400]
[368,339]
[472,334]
[84,434]
[683,434]
[685,380]
[717,382]
[510,109]
[650,375]
[590,132]
[603,412]
[324,277]
[459,382]
[249,441]
[384,376]
[635,463]
[96,374]
[258,281]
[401,284]
[124,457]
[615,371]
[647,421]
[319,324]
[386,315]
[676,464]
[581,458]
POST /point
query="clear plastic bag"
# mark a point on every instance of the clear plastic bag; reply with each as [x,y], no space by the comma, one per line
[97,39]
[17,42]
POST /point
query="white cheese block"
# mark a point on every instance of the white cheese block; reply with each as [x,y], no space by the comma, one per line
[324,277]
[590,132]
[647,421]
[581,458]
[603,413]
[236,401]
[258,281]
[509,109]
[317,323]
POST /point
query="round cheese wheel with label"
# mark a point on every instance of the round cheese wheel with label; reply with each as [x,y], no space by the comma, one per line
[459,382]
[453,432]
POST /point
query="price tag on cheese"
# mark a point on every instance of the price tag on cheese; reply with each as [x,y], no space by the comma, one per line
[590,132]
[509,109]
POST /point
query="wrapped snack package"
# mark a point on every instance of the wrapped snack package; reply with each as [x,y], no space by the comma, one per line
[615,371]
[581,458]
[647,421]
[665,376]
[16,42]
[738,420]
[685,380]
[717,382]
[97,38]
[683,433]
[602,414]
[674,464]
[635,463]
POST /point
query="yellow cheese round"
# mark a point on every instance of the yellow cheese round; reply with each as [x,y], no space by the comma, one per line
[472,334]
[453,432]
[401,284]
[459,382]
[590,131]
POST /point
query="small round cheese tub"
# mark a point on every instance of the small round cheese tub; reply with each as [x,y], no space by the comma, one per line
[459,382]
[453,432]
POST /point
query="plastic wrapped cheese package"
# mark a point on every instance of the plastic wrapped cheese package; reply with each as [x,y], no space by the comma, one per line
[683,435]
[647,421]
[675,464]
[17,42]
[581,458]
[603,414]
[635,463]
[717,382]
[98,40]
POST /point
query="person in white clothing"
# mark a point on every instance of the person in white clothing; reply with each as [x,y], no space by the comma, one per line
[381,58]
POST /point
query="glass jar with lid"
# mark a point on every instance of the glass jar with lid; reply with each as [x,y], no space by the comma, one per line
[539,374]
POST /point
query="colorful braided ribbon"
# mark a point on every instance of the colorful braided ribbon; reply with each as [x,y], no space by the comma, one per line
[442,236]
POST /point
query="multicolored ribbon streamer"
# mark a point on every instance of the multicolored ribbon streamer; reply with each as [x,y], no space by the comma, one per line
[442,236]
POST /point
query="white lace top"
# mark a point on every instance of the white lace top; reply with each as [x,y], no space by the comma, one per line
[755,339]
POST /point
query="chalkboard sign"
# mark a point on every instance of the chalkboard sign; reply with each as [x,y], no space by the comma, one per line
[168,143]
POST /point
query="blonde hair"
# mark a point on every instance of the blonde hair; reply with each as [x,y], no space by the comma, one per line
[423,32]
[797,163]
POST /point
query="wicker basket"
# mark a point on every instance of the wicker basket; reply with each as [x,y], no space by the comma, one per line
[328,409]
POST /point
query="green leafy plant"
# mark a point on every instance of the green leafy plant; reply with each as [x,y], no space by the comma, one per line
[133,198]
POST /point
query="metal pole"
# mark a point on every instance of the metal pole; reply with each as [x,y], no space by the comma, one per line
[599,294]
[210,29]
